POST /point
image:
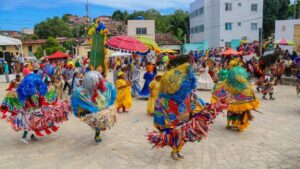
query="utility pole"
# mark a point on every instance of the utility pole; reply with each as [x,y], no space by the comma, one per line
[87,12]
[295,6]
[260,41]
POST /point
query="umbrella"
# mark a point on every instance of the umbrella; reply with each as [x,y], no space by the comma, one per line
[231,52]
[151,44]
[168,51]
[283,41]
[127,44]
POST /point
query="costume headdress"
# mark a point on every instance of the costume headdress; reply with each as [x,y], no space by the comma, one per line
[93,81]
[238,78]
[179,80]
[32,84]
[223,74]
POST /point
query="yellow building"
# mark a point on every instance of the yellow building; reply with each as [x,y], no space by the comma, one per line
[29,47]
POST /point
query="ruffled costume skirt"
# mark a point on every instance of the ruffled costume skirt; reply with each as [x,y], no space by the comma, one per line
[41,120]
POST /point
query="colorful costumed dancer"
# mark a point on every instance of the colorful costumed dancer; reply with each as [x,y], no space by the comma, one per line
[148,76]
[154,87]
[135,86]
[219,93]
[32,107]
[124,98]
[93,103]
[243,99]
[179,115]
[267,85]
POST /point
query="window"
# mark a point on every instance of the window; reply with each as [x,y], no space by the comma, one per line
[254,26]
[201,28]
[239,24]
[228,44]
[196,29]
[239,4]
[254,7]
[228,26]
[201,10]
[283,28]
[30,50]
[228,6]
[4,48]
[141,31]
[192,30]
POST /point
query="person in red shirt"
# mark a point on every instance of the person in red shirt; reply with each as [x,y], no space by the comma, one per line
[26,70]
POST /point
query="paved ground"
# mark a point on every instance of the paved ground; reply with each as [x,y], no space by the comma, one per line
[272,141]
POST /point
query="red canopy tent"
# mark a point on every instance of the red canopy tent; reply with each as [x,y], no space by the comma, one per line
[58,55]
[231,52]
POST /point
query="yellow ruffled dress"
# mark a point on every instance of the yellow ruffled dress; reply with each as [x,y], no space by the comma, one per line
[240,106]
[124,97]
[154,87]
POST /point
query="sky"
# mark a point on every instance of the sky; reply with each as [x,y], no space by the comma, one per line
[18,14]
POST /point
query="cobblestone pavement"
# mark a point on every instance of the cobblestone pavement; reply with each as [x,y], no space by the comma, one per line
[272,141]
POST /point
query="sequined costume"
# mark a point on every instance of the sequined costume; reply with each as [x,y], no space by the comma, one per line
[179,115]
[34,107]
[93,103]
[238,93]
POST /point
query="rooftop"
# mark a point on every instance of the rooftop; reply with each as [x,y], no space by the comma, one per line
[166,39]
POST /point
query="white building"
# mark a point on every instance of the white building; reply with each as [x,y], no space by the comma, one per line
[221,21]
[290,30]
[27,31]
[141,28]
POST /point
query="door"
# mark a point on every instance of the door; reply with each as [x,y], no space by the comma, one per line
[297,38]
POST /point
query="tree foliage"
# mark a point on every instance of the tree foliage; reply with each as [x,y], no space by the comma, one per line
[53,27]
[177,23]
[120,16]
[274,10]
[295,8]
[51,46]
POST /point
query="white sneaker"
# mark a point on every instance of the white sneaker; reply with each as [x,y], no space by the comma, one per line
[23,140]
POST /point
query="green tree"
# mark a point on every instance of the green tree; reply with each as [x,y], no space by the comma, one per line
[120,16]
[79,31]
[65,17]
[283,11]
[29,37]
[274,10]
[179,24]
[52,27]
[270,15]
[68,45]
[292,9]
[51,46]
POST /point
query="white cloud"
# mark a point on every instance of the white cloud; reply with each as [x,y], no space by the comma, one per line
[118,4]
[142,4]
[39,4]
